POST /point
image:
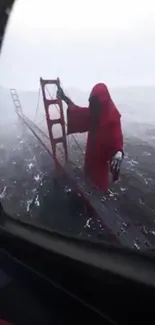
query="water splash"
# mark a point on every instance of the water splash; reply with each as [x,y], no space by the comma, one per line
[136,245]
[37,178]
[37,202]
[67,190]
[146,153]
[3,194]
[87,225]
[132,162]
[29,202]
[30,165]
[152,232]
[123,189]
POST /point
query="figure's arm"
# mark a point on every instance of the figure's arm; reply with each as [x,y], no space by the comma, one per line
[78,118]
[61,95]
[67,100]
[118,153]
[118,138]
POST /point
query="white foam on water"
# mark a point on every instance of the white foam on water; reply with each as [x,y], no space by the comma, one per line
[146,153]
[37,202]
[87,225]
[37,178]
[30,165]
[29,202]
[3,194]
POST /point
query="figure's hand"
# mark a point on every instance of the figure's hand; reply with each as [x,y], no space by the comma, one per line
[60,94]
[116,162]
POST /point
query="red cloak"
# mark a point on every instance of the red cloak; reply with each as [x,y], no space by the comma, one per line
[108,135]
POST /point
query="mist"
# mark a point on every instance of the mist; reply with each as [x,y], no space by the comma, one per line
[82,44]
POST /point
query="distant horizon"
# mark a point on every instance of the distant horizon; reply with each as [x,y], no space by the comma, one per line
[78,89]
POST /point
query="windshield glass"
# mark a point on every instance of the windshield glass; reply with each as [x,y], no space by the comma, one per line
[77,93]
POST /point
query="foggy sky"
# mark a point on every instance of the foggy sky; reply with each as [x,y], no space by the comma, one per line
[81,42]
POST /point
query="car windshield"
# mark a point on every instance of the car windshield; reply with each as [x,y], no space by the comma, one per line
[77,90]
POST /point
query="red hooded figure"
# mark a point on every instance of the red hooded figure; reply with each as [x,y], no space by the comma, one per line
[102,121]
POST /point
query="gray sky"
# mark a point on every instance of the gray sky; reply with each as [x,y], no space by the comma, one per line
[81,41]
